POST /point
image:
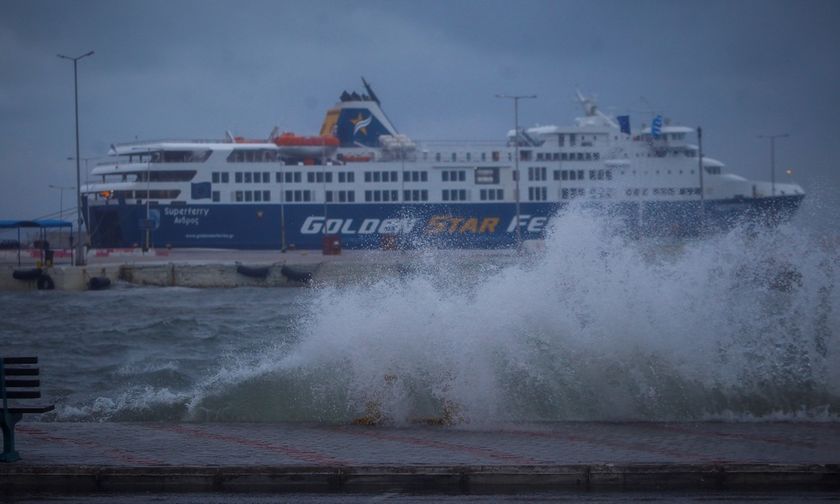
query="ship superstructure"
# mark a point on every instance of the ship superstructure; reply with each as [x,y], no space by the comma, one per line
[372,186]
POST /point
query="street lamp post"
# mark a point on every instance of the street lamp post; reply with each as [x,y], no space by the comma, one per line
[80,258]
[148,224]
[61,190]
[87,208]
[701,169]
[773,158]
[324,180]
[516,99]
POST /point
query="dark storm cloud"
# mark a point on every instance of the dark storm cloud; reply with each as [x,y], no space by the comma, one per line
[197,68]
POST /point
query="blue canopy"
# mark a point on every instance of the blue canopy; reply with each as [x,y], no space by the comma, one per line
[42,223]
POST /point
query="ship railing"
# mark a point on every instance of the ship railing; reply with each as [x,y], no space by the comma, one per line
[172,140]
[458,144]
[122,159]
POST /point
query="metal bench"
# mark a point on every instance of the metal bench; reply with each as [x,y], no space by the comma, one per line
[18,382]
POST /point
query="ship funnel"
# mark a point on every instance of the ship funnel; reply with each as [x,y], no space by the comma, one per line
[358,120]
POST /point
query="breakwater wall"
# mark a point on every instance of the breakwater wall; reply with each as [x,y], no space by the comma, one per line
[78,278]
[295,271]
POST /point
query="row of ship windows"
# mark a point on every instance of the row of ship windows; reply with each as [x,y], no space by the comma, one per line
[423,195]
[349,177]
[392,195]
[370,196]
[240,196]
[288,177]
[561,139]
[579,174]
[712,170]
[538,173]
[453,175]
[301,195]
[594,193]
[377,196]
[537,194]
[271,155]
[667,153]
[534,194]
[454,195]
[535,173]
[453,156]
[663,191]
[491,194]
[343,177]
[609,192]
[253,156]
[565,156]
[525,155]
[321,176]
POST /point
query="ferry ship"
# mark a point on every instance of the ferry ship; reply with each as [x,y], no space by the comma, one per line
[362,183]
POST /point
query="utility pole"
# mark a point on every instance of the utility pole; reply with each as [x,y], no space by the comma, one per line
[516,99]
[80,257]
[773,158]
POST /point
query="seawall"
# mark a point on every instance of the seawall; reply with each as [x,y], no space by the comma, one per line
[229,268]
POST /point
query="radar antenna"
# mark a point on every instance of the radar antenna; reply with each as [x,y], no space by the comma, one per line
[589,105]
[370,92]
[590,108]
[375,98]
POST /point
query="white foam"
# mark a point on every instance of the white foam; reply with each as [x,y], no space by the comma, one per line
[596,327]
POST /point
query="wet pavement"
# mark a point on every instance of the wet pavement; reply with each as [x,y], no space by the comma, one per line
[414,498]
[319,457]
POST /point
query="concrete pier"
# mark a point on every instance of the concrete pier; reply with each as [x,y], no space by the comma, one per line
[218,268]
[202,457]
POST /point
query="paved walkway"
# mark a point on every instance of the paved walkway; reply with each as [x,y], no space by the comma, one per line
[199,456]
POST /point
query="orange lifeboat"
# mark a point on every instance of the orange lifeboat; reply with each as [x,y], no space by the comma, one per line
[290,139]
[315,146]
[307,147]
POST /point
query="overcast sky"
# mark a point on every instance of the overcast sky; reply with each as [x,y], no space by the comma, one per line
[193,69]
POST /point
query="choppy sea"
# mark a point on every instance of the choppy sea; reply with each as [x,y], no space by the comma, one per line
[594,326]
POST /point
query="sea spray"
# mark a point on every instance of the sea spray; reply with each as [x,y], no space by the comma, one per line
[594,325]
